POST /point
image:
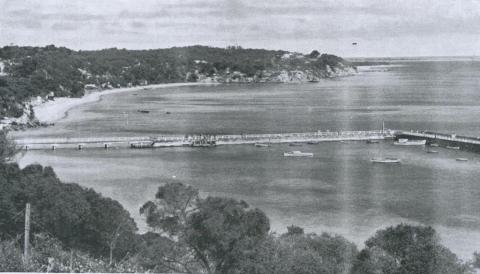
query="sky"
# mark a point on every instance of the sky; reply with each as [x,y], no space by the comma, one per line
[381,28]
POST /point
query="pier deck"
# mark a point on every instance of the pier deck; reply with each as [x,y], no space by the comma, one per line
[186,140]
[444,140]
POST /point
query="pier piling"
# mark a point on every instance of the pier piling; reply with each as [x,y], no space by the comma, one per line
[203,140]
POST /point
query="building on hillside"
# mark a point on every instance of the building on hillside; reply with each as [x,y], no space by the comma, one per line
[51,95]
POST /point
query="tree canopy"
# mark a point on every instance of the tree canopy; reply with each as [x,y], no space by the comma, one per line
[80,218]
[407,249]
[7,147]
[213,233]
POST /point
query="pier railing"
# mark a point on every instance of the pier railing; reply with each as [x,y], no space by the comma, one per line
[317,134]
[80,140]
[224,139]
[172,140]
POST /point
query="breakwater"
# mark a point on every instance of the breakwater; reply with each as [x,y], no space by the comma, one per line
[201,140]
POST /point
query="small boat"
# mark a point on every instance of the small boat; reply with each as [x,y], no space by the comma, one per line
[295,144]
[431,151]
[461,159]
[261,145]
[434,145]
[453,147]
[297,153]
[406,142]
[168,112]
[143,111]
[371,141]
[385,160]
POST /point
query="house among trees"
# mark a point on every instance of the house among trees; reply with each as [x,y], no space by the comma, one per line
[90,87]
[51,95]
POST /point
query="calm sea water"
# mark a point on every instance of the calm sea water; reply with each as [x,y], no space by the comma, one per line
[338,191]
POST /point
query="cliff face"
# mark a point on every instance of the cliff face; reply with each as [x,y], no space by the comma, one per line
[289,68]
[282,76]
[27,118]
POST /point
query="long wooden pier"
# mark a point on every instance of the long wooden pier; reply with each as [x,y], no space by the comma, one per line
[199,139]
[444,140]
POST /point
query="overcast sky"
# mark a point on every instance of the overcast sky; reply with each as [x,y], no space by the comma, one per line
[380,27]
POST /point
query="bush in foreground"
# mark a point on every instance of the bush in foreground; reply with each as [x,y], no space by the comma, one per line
[222,235]
[407,249]
[80,218]
[47,254]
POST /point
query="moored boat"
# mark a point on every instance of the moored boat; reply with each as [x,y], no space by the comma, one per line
[461,159]
[297,153]
[434,145]
[261,145]
[431,151]
[387,160]
[453,147]
[406,142]
[313,142]
[373,141]
[295,144]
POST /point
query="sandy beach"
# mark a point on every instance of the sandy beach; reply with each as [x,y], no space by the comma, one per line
[52,111]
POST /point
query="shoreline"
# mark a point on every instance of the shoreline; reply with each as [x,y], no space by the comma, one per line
[57,109]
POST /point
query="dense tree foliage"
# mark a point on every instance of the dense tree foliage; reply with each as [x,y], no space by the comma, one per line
[80,218]
[222,230]
[13,91]
[33,71]
[407,249]
[7,147]
[211,235]
[300,253]
[314,54]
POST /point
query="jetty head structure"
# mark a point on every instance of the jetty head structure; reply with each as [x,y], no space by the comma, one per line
[471,144]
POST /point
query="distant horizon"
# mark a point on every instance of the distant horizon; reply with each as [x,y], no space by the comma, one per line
[256,48]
